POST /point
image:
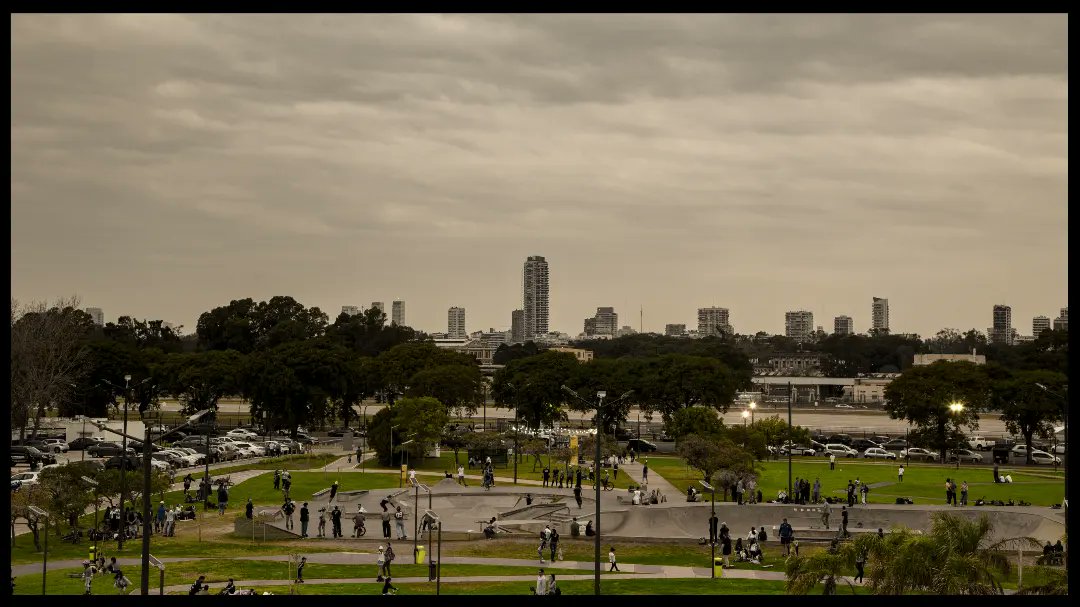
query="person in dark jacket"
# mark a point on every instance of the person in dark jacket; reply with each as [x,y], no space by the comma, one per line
[725,549]
[335,517]
[222,498]
[305,518]
[843,520]
[249,510]
[786,535]
[333,491]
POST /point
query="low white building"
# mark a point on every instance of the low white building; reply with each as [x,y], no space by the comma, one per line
[929,359]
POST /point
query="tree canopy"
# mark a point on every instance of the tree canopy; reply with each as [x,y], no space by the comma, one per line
[923,395]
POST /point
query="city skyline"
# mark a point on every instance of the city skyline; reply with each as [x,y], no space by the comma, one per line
[762,163]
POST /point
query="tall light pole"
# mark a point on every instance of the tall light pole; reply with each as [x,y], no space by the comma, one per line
[791,398]
[955,408]
[596,463]
[753,406]
[123,458]
[41,514]
[1064,461]
[712,540]
[745,414]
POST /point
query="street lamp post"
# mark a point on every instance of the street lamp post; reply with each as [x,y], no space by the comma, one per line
[955,408]
[1064,460]
[712,540]
[596,464]
[93,483]
[753,406]
[123,457]
[745,414]
[38,512]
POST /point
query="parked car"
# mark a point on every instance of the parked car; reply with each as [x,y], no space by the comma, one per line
[84,441]
[56,445]
[25,454]
[129,463]
[878,453]
[964,456]
[798,450]
[840,450]
[252,449]
[242,434]
[169,460]
[841,439]
[1059,449]
[862,444]
[896,444]
[980,443]
[880,440]
[288,445]
[624,434]
[107,449]
[337,432]
[919,454]
[817,445]
[25,478]
[1042,457]
[640,445]
[306,439]
[843,406]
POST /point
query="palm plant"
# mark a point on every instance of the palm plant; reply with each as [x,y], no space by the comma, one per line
[827,568]
[1054,581]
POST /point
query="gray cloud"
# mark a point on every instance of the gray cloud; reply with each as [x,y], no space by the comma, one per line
[164,164]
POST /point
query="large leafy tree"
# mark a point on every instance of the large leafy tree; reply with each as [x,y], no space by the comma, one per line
[922,396]
[702,421]
[506,353]
[143,334]
[1027,409]
[199,380]
[246,326]
[674,381]
[368,334]
[400,364]
[533,387]
[775,432]
[420,420]
[615,377]
[459,387]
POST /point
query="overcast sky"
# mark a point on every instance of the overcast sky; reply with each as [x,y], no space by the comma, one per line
[164,165]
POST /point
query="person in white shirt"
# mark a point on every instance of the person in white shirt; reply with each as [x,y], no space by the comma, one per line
[412,476]
[541,583]
[461,475]
[637,497]
[170,522]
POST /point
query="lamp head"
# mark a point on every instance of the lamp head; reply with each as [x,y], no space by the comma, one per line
[127,378]
[601,394]
[745,414]
[753,405]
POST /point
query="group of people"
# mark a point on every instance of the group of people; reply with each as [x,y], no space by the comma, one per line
[549,539]
[283,482]
[638,496]
[545,585]
[950,493]
[99,567]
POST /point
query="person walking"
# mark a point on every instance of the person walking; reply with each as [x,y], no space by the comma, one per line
[386,523]
[553,544]
[817,490]
[223,499]
[541,583]
[187,484]
[645,471]
[380,562]
[288,509]
[900,474]
[963,493]
[832,461]
[388,588]
[825,508]
[461,475]
[786,535]
[865,491]
[88,577]
[390,556]
[170,522]
[300,570]
[611,559]
[615,470]
[713,522]
[843,521]
[305,518]
[277,480]
[399,520]
[860,561]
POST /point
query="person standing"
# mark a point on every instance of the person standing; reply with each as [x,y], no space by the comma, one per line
[461,475]
[277,480]
[289,508]
[740,488]
[546,473]
[553,544]
[860,561]
[948,492]
[333,491]
[159,520]
[305,518]
[335,516]
[170,522]
[399,520]
[611,559]
[322,523]
[865,491]
[817,489]
[187,484]
[578,484]
[825,508]
[725,546]
[249,510]
[843,521]
[300,570]
[963,493]
[390,556]
[645,471]
[88,577]
[786,535]
[223,499]
[380,562]
[832,461]
[713,522]
[615,470]
[386,523]
[541,583]
[996,477]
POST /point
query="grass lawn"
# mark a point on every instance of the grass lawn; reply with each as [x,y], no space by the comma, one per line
[582,587]
[293,462]
[525,468]
[922,482]
[304,484]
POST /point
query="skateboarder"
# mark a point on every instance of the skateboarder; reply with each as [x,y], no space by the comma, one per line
[825,508]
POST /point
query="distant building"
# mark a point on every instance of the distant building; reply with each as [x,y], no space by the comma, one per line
[398,317]
[535,296]
[843,325]
[799,325]
[1061,323]
[491,337]
[675,330]
[350,310]
[713,321]
[879,314]
[583,356]
[380,306]
[604,322]
[1001,332]
[97,316]
[929,359]
[517,326]
[626,330]
[798,363]
[1022,339]
[1039,324]
[870,388]
[455,323]
[481,350]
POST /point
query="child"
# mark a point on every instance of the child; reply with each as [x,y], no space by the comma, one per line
[611,559]
[300,570]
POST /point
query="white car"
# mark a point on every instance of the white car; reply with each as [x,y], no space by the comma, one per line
[878,453]
[983,444]
[255,450]
[240,433]
[916,453]
[843,406]
[56,445]
[1042,457]
[840,450]
[25,478]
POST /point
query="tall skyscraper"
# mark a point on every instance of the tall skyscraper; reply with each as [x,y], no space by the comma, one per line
[1039,324]
[879,314]
[399,313]
[517,326]
[350,310]
[379,305]
[455,323]
[1001,332]
[713,321]
[843,325]
[97,316]
[799,325]
[535,279]
[605,322]
[1061,323]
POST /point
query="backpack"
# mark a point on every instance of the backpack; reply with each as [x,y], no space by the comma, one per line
[762,536]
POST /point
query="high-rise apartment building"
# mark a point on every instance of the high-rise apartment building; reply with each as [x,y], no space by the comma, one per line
[517,326]
[799,325]
[380,306]
[535,299]
[350,310]
[879,314]
[398,317]
[843,325]
[675,330]
[1039,324]
[455,323]
[605,322]
[713,321]
[97,316]
[1001,332]
[1061,323]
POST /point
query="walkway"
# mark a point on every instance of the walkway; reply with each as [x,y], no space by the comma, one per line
[655,480]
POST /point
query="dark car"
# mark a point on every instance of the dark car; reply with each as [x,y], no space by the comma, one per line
[304,438]
[130,463]
[624,434]
[83,442]
[896,444]
[26,454]
[880,440]
[842,439]
[341,432]
[137,445]
[862,444]
[106,449]
[640,445]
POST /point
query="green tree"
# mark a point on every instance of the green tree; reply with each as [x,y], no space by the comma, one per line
[922,396]
[702,454]
[458,387]
[615,377]
[368,334]
[674,381]
[775,432]
[420,420]
[533,387]
[702,421]
[199,380]
[506,353]
[21,501]
[400,364]
[1027,409]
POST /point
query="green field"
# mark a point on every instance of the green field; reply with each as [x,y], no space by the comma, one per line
[922,482]
[582,587]
[261,488]
[445,463]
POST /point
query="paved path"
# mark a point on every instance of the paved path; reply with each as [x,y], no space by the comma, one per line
[655,480]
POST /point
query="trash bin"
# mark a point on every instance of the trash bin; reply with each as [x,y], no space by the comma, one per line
[718,567]
[431,571]
[420,554]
